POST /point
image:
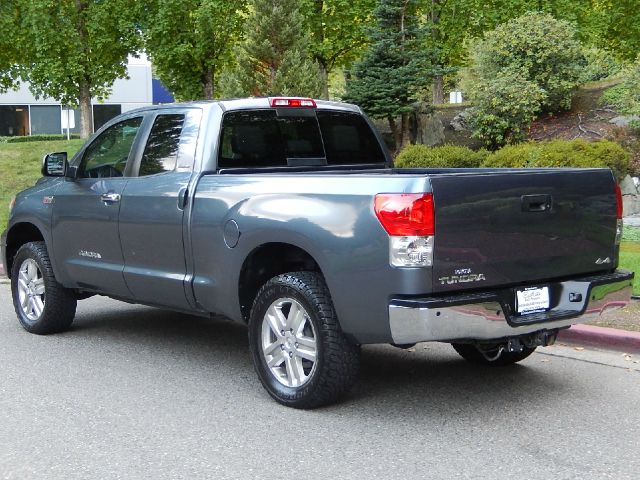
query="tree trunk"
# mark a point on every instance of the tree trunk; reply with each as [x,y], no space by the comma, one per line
[405,134]
[86,112]
[438,90]
[437,86]
[84,82]
[324,79]
[208,85]
[397,134]
[318,33]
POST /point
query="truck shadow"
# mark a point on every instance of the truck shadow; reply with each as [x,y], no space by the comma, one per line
[431,380]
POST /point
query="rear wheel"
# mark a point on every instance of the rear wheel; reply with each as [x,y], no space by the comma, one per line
[43,305]
[299,351]
[495,355]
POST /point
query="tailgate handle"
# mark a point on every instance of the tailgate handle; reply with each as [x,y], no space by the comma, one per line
[536,203]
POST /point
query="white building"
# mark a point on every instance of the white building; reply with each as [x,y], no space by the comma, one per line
[22,114]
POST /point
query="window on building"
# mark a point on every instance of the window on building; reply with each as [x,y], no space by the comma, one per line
[14,120]
[103,113]
[45,119]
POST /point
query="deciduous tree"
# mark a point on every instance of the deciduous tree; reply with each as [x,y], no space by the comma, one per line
[190,41]
[10,55]
[337,32]
[74,50]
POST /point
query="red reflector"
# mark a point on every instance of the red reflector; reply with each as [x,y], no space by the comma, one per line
[618,202]
[293,102]
[406,214]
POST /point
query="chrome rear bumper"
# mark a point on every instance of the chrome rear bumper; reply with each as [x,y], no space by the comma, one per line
[489,315]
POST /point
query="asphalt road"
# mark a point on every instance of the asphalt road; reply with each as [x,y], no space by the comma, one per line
[133,392]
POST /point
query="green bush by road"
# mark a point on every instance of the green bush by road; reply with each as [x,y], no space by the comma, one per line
[20,167]
[557,153]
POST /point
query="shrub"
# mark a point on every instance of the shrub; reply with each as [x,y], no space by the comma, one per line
[631,102]
[524,66]
[513,156]
[446,156]
[614,96]
[504,109]
[38,138]
[629,139]
[577,153]
[599,64]
[543,49]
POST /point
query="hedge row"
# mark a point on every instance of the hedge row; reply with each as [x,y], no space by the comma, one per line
[36,138]
[557,153]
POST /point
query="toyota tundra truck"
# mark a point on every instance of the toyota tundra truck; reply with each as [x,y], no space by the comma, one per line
[286,214]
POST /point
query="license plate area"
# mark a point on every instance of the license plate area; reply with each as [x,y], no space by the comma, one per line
[531,300]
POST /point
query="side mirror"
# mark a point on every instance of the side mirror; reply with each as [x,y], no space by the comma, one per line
[55,164]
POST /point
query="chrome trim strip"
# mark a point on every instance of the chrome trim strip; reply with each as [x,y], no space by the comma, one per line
[486,321]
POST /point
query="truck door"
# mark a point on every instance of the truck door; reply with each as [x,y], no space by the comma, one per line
[152,212]
[85,212]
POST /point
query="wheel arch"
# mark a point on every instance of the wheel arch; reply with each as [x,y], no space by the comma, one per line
[18,235]
[266,261]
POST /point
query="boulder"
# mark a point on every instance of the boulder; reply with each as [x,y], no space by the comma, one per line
[431,130]
[461,121]
[624,120]
[628,186]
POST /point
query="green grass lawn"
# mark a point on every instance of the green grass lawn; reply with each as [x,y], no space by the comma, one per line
[630,260]
[20,167]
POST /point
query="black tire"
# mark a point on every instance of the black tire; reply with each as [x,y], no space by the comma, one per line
[471,353]
[337,360]
[57,304]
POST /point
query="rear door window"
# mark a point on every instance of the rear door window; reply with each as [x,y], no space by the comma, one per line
[161,152]
[262,138]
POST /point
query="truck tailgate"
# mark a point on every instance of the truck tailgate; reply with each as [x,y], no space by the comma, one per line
[506,228]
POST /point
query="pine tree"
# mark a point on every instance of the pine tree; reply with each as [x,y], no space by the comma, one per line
[274,57]
[387,80]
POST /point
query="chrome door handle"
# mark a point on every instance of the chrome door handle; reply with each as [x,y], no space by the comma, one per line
[110,197]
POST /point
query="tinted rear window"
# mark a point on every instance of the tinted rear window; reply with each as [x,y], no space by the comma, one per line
[261,138]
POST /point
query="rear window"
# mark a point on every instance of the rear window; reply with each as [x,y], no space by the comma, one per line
[261,138]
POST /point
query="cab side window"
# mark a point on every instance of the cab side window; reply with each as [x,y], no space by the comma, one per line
[108,154]
[161,152]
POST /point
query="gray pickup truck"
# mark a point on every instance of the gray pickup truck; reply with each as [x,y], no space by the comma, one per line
[286,214]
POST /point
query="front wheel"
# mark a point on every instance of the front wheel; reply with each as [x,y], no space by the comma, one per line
[495,355]
[43,305]
[298,349]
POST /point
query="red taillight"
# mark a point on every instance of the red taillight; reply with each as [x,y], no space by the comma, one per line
[618,202]
[406,214]
[293,102]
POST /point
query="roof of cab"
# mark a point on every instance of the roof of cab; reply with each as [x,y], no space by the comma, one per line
[248,103]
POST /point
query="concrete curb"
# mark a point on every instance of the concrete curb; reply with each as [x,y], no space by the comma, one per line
[609,338]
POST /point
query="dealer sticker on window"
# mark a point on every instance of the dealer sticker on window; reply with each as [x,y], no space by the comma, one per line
[532,300]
